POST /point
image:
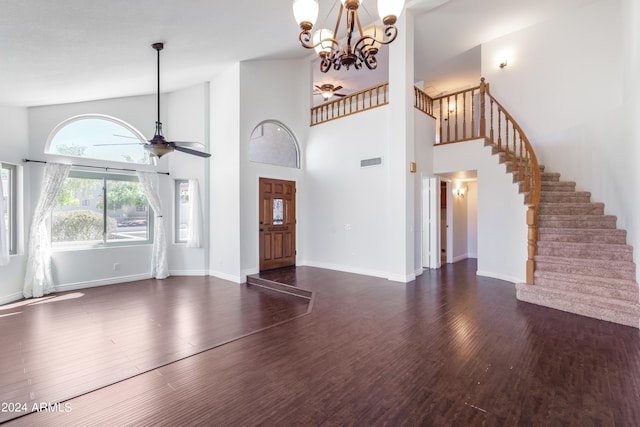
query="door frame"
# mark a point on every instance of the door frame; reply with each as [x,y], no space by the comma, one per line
[257,220]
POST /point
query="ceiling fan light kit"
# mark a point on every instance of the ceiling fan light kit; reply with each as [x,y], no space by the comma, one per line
[158,145]
[359,48]
[328,91]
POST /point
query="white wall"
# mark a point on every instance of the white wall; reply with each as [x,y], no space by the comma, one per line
[346,209]
[502,225]
[13,122]
[224,235]
[285,98]
[188,120]
[570,85]
[631,32]
[399,135]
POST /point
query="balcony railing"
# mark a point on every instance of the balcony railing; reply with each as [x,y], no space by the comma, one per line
[356,102]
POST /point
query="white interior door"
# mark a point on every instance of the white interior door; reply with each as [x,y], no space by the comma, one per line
[431,222]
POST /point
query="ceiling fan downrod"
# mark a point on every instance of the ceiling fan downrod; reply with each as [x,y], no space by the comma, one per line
[158,47]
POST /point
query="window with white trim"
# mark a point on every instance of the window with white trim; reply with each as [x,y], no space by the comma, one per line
[100,137]
[101,209]
[273,143]
[181,210]
[9,190]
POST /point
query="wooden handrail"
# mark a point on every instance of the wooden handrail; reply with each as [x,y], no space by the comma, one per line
[356,102]
[475,113]
[423,102]
[458,116]
[511,140]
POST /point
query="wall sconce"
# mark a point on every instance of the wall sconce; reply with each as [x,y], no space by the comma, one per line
[412,167]
[460,191]
[452,107]
[503,64]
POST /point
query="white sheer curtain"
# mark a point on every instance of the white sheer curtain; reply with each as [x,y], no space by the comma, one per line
[159,264]
[4,233]
[194,235]
[38,280]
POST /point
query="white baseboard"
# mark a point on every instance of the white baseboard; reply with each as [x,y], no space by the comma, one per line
[364,272]
[347,269]
[226,276]
[101,282]
[188,272]
[11,298]
[499,276]
[460,257]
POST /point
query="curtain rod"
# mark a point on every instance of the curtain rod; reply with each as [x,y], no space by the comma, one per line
[95,167]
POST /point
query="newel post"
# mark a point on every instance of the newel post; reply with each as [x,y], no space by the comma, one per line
[532,222]
[483,121]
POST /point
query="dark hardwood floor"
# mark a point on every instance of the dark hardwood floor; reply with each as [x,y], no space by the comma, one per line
[68,344]
[451,349]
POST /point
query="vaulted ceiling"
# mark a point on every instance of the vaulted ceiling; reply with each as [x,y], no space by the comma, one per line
[78,50]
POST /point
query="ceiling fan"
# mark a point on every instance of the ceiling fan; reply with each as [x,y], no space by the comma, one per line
[327,91]
[158,145]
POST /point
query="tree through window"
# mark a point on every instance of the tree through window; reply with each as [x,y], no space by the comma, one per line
[96,209]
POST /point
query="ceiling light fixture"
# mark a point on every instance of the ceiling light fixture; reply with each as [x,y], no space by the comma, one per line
[354,52]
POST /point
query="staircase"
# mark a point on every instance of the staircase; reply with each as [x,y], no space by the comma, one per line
[578,261]
[583,264]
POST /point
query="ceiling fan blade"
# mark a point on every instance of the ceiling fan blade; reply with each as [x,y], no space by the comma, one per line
[190,151]
[188,143]
[318,87]
[124,143]
[124,136]
[337,88]
[339,94]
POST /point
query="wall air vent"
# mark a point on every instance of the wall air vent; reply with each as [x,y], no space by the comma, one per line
[371,162]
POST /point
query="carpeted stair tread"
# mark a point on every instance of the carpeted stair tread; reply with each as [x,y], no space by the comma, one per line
[607,287]
[617,265]
[565,196]
[612,310]
[587,267]
[557,186]
[577,221]
[571,208]
[594,235]
[549,176]
[586,251]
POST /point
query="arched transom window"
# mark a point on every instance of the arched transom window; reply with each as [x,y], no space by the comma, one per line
[98,137]
[273,143]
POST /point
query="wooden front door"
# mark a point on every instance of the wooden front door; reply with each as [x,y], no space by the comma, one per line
[277,223]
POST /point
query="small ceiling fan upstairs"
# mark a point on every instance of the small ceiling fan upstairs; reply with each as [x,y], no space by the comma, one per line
[158,145]
[327,91]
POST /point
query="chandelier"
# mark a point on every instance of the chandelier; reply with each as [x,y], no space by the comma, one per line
[361,45]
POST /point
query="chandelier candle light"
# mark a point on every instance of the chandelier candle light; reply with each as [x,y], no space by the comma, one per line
[353,53]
